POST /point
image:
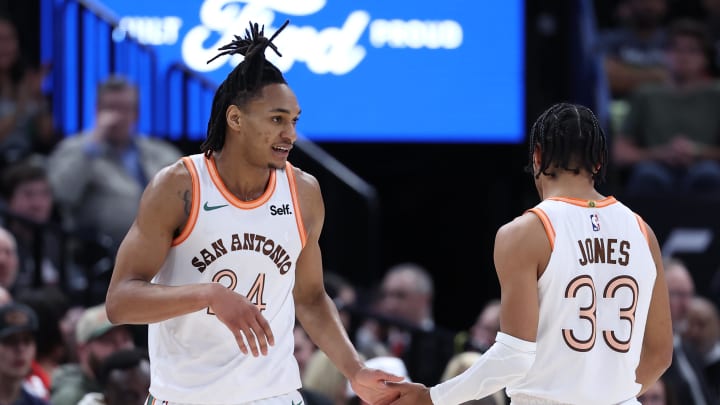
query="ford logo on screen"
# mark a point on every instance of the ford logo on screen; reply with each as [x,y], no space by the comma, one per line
[363,71]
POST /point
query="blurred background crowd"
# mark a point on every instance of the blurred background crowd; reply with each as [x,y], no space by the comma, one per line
[428,307]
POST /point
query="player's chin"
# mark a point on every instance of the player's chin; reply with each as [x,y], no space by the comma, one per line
[277,165]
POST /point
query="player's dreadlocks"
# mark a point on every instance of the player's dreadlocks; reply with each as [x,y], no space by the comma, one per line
[245,82]
[570,138]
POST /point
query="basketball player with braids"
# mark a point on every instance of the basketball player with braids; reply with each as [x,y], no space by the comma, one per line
[224,254]
[584,313]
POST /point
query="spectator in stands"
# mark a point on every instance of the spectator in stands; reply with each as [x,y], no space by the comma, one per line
[670,136]
[96,339]
[323,377]
[8,260]
[304,350]
[68,326]
[125,379]
[634,52]
[27,193]
[17,349]
[483,332]
[658,394]
[406,295]
[304,347]
[343,295]
[685,376]
[703,333]
[25,120]
[50,305]
[98,176]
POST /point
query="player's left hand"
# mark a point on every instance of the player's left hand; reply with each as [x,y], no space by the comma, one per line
[369,385]
[410,393]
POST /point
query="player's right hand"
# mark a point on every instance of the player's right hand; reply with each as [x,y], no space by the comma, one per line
[244,321]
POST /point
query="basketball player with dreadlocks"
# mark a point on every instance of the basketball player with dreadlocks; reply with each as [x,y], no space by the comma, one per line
[224,254]
[584,315]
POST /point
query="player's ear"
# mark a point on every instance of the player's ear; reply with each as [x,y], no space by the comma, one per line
[233,117]
[537,158]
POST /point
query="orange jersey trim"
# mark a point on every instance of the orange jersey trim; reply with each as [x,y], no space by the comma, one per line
[549,230]
[643,228]
[586,203]
[194,205]
[296,202]
[246,205]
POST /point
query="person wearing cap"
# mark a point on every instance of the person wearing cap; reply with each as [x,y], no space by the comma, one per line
[96,339]
[17,350]
[125,378]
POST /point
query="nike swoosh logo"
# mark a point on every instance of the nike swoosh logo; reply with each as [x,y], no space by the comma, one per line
[207,207]
[299,403]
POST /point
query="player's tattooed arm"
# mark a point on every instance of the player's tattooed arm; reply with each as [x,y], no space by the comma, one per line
[186,197]
[187,200]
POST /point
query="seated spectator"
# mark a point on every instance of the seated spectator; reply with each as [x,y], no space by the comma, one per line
[322,376]
[343,295]
[68,325]
[703,333]
[304,347]
[8,260]
[98,176]
[670,136]
[634,52]
[124,378]
[658,394]
[304,350]
[484,330]
[25,119]
[17,350]
[50,305]
[96,339]
[407,298]
[685,375]
[27,194]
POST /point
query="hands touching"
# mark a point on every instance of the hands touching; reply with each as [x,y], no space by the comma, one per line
[370,385]
[410,393]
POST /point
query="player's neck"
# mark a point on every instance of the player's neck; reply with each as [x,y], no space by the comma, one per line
[245,181]
[570,186]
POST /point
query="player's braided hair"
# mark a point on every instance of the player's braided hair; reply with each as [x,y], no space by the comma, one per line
[570,138]
[244,82]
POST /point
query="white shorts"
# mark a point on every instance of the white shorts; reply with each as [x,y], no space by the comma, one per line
[291,398]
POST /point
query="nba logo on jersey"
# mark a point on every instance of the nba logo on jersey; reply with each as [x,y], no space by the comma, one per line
[595,222]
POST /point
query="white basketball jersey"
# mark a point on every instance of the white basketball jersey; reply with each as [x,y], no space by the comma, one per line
[252,248]
[594,298]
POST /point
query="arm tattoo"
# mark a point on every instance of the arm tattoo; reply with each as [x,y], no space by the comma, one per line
[186,197]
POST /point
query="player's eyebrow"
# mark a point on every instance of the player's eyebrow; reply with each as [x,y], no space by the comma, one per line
[284,110]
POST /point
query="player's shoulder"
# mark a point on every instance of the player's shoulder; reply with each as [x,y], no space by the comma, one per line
[310,198]
[172,176]
[306,184]
[527,223]
[303,178]
[524,231]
